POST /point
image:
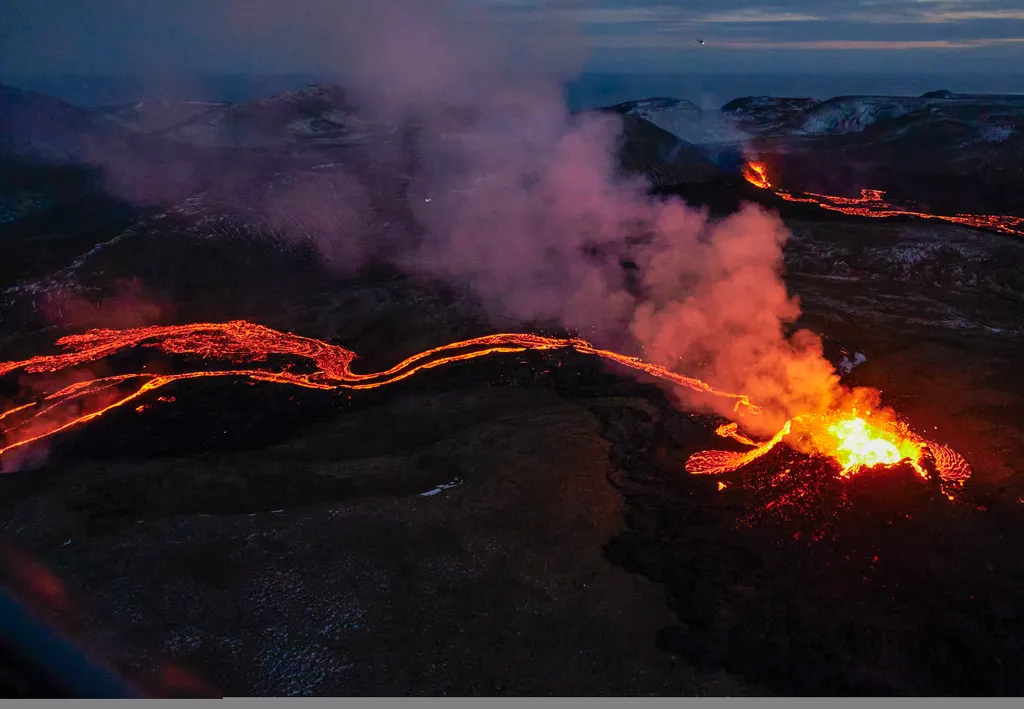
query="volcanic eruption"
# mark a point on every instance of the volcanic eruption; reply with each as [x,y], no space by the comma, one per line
[756,173]
[872,203]
[522,203]
[850,438]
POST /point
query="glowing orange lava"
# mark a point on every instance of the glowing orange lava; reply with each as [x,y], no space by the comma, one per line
[756,174]
[853,441]
[872,203]
[850,440]
[858,444]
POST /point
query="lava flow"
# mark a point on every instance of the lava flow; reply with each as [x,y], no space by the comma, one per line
[756,173]
[872,203]
[852,439]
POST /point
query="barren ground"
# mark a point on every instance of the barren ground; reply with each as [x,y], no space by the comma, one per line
[278,542]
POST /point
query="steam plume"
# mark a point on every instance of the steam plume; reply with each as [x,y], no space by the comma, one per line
[517,198]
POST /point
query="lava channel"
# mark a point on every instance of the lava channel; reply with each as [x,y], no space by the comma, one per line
[872,203]
[853,440]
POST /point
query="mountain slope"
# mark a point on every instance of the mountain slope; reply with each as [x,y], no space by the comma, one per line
[38,127]
[660,156]
[684,120]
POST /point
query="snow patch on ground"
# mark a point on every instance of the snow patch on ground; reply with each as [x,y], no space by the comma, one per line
[64,277]
[848,362]
[688,122]
[294,668]
[445,486]
[852,115]
[997,134]
[18,205]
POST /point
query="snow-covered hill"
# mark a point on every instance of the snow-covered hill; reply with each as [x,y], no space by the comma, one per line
[685,120]
[761,115]
[155,116]
[318,114]
[853,114]
[39,127]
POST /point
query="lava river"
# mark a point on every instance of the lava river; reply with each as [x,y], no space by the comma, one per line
[853,440]
[872,203]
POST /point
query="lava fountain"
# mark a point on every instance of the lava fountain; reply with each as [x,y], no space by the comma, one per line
[756,173]
[852,439]
[872,204]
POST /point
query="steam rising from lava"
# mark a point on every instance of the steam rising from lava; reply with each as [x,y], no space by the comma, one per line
[507,192]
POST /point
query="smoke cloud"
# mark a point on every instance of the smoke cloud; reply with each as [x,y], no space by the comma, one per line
[510,194]
[130,305]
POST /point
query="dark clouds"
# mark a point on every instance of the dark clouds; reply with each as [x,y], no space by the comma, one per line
[195,36]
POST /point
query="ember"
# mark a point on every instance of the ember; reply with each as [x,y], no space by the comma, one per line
[872,203]
[852,441]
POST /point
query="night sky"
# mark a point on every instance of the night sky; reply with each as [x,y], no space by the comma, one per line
[48,37]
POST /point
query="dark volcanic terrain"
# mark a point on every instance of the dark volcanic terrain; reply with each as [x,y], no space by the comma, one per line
[940,152]
[521,524]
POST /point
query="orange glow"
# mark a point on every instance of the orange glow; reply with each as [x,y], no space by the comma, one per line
[858,443]
[853,441]
[719,462]
[756,174]
[850,440]
[872,203]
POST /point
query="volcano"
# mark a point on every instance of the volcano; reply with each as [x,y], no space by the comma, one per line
[295,479]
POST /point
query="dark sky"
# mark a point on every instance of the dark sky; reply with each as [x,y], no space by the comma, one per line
[48,37]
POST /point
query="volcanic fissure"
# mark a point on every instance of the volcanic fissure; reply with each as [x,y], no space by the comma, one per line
[852,438]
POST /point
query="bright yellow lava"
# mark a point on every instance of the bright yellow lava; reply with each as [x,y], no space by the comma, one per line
[860,444]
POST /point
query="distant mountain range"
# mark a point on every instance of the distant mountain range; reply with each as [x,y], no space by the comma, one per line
[963,152]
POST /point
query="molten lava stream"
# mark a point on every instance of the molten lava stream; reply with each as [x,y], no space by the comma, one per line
[850,440]
[872,204]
